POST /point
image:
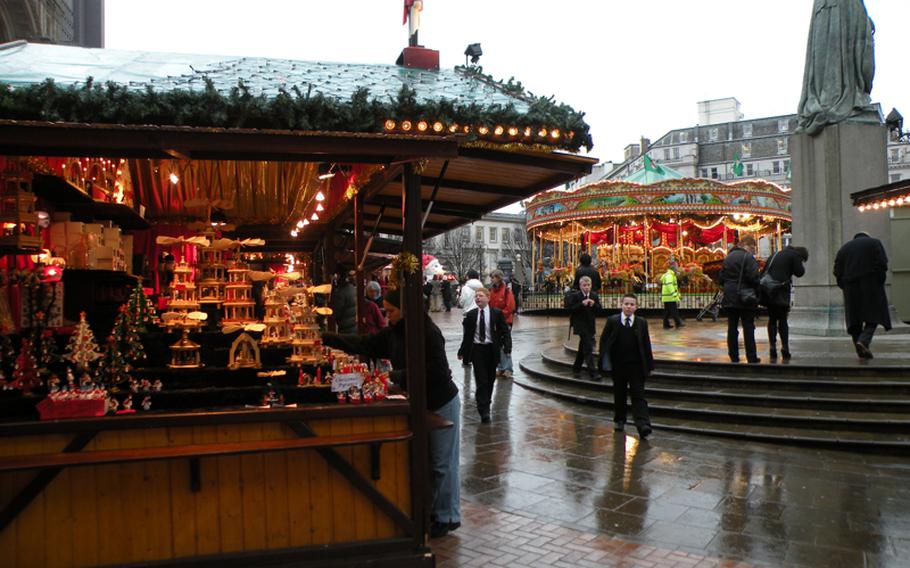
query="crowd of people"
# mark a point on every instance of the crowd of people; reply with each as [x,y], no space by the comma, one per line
[624,351]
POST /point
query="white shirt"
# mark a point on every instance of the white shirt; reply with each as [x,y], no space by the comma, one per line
[488,338]
[622,319]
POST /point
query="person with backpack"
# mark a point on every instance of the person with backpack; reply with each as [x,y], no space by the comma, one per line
[775,285]
[739,278]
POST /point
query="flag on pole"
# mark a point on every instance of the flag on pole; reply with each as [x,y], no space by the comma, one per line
[651,166]
[737,166]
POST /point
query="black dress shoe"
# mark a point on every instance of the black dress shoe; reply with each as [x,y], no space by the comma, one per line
[645,431]
[754,361]
[485,419]
[734,359]
[454,526]
[863,350]
[773,354]
[619,426]
[785,355]
[438,529]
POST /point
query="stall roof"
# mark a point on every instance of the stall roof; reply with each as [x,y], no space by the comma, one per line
[889,195]
[462,178]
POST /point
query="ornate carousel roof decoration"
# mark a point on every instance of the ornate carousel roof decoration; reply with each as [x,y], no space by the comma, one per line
[624,200]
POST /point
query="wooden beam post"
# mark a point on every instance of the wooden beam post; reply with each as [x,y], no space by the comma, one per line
[359,255]
[412,304]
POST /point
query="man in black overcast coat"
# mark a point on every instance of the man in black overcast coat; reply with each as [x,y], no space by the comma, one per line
[861,267]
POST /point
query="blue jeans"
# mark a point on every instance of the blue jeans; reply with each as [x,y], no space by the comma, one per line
[505,361]
[445,481]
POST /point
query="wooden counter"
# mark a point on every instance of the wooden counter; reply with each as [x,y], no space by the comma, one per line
[225,487]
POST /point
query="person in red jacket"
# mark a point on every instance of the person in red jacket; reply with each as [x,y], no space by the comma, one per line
[501,298]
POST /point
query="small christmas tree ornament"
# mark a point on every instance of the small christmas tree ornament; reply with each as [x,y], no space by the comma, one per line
[141,312]
[25,370]
[82,349]
[113,369]
[126,334]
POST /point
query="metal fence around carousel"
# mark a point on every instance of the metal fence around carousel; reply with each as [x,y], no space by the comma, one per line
[693,298]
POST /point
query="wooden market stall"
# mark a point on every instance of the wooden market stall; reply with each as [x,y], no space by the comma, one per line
[213,472]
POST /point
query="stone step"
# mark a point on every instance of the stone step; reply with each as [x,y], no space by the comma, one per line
[793,378]
[797,419]
[791,369]
[682,388]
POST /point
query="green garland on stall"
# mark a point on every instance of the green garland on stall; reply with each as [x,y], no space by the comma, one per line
[294,109]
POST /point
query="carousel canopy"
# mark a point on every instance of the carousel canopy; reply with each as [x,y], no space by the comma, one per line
[653,173]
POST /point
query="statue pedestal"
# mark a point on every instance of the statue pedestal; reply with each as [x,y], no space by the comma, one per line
[827,168]
[419,58]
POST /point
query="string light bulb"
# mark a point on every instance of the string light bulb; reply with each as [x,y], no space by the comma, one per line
[320,196]
[319,207]
[314,217]
[173,177]
[306,222]
[300,224]
[294,232]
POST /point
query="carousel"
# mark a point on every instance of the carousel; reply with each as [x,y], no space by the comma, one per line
[637,227]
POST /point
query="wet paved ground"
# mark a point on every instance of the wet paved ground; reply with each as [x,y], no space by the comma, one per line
[549,483]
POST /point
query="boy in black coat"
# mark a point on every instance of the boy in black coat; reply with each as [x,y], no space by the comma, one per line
[485,334]
[625,351]
[584,305]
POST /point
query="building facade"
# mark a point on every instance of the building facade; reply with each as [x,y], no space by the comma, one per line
[497,240]
[725,146]
[64,22]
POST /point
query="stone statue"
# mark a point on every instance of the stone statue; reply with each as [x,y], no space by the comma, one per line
[412,9]
[840,65]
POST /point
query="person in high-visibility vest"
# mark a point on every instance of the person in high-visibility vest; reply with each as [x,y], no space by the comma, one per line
[669,295]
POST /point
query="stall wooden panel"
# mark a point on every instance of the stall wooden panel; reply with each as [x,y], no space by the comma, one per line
[146,511]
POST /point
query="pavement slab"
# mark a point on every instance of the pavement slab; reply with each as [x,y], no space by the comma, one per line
[548,482]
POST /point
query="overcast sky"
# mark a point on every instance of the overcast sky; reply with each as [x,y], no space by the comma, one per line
[636,68]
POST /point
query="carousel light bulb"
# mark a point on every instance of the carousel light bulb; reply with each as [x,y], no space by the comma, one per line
[513,131]
[437,127]
[542,132]
[453,128]
[406,125]
[294,232]
[555,133]
[422,126]
[483,130]
[498,130]
[891,202]
[319,207]
[320,196]
[306,222]
[390,124]
[300,224]
[314,217]
[173,177]
[528,132]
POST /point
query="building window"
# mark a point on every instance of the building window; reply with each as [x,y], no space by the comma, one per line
[676,153]
[746,150]
[465,234]
[666,153]
[775,167]
[895,155]
[781,146]
[493,232]
[505,235]
[895,177]
[750,170]
[478,234]
[747,130]
[713,134]
[683,136]
[516,233]
[783,125]
[704,172]
[786,166]
[714,173]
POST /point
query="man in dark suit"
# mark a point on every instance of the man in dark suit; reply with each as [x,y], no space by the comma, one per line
[485,335]
[861,267]
[625,351]
[585,269]
[583,306]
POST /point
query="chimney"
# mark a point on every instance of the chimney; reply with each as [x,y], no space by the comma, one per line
[645,144]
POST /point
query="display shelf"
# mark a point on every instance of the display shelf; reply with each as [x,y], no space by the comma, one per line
[67,197]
